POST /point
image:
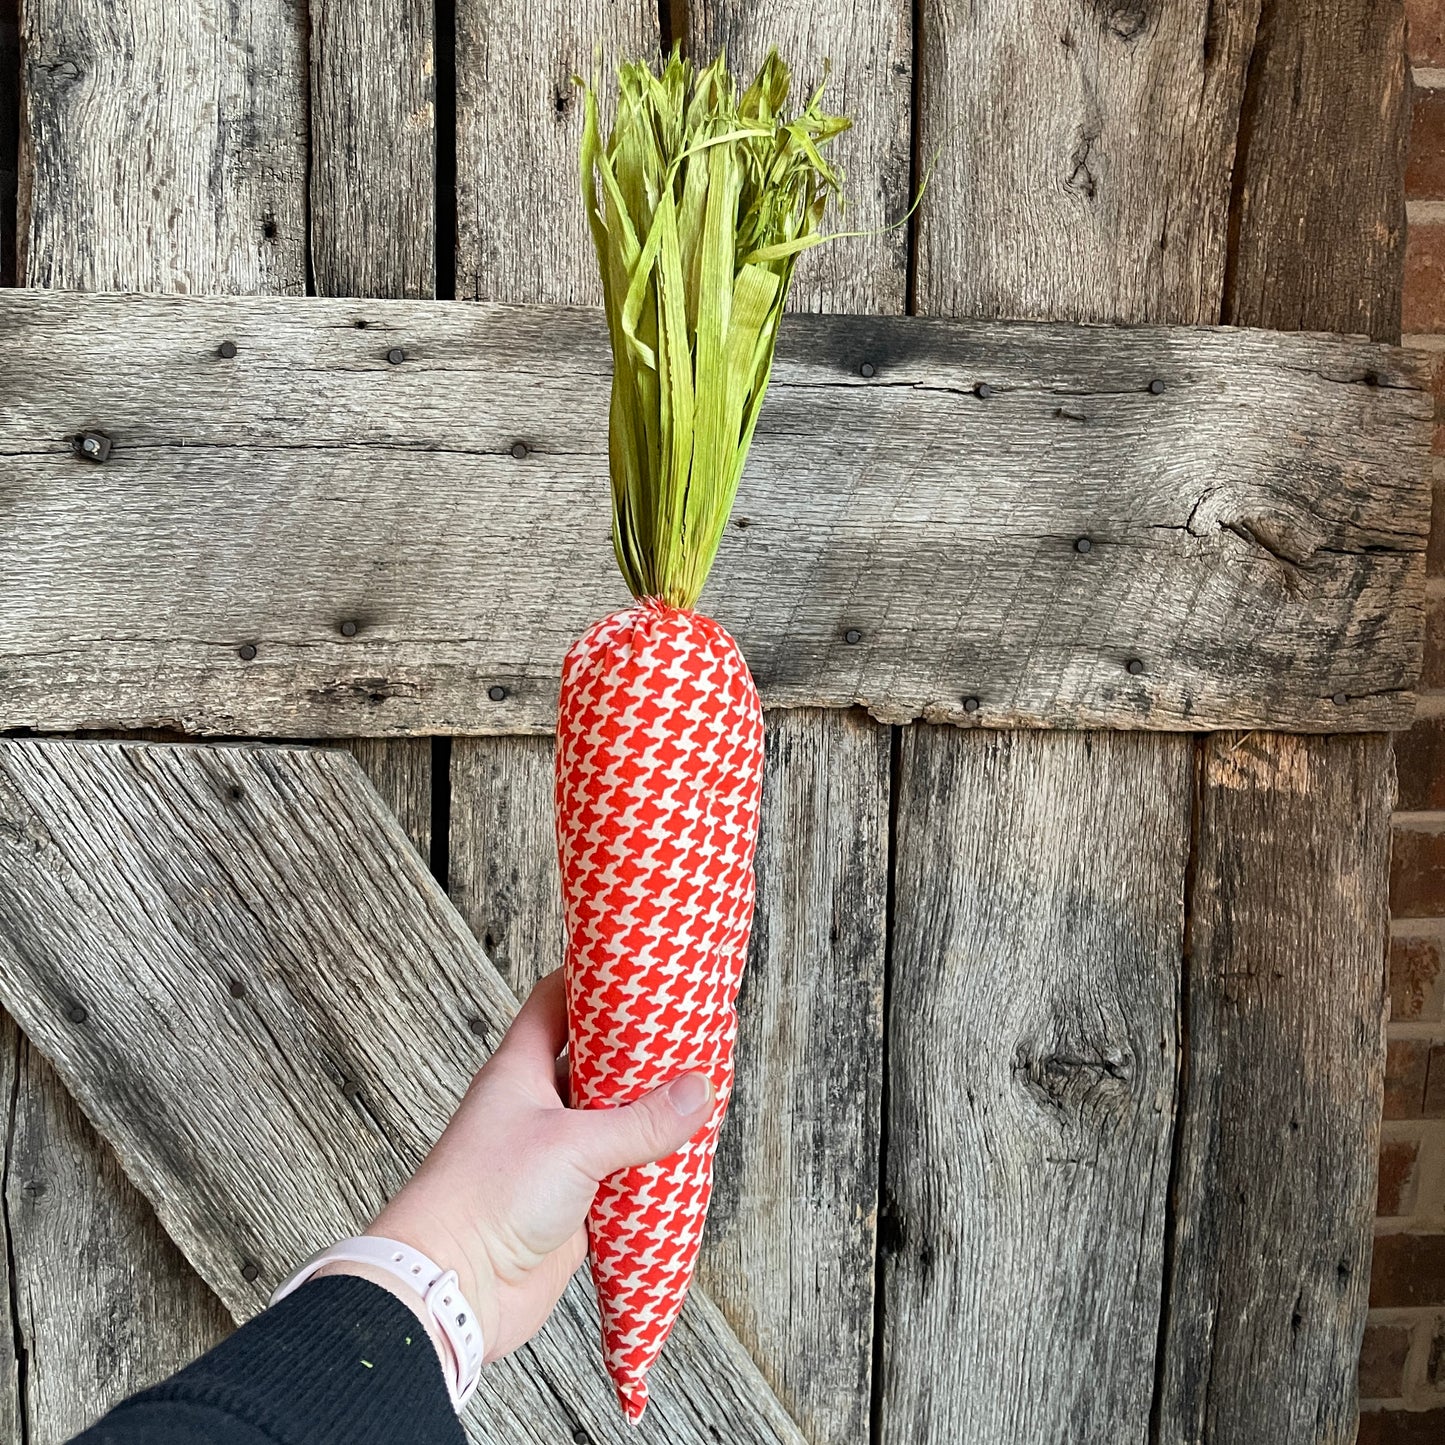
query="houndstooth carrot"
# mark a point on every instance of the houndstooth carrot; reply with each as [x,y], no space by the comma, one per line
[699,202]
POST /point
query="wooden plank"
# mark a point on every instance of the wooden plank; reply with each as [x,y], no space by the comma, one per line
[400,769]
[1032,1068]
[503,876]
[796,1198]
[373,138]
[210,94]
[1256,528]
[9,133]
[119,1322]
[148,882]
[12,1398]
[868,49]
[1084,157]
[789,1252]
[1280,1119]
[1329,74]
[521,233]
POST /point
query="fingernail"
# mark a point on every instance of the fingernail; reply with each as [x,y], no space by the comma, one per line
[690,1093]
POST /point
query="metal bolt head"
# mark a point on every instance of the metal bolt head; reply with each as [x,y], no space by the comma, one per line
[1156,387]
[970,704]
[852,635]
[1134,666]
[250,1272]
[477,1027]
[1083,545]
[236,988]
[983,391]
[77,1013]
[348,629]
[1340,699]
[868,369]
[246,652]
[519,450]
[496,692]
[94,446]
[226,350]
[396,356]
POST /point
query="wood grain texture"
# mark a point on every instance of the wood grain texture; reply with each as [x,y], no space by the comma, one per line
[400,769]
[12,1400]
[1257,528]
[789,1251]
[1330,75]
[9,133]
[1032,1068]
[373,147]
[150,883]
[521,232]
[1085,155]
[868,50]
[210,93]
[1279,1125]
[120,1322]
[503,876]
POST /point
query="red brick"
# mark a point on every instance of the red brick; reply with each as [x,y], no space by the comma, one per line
[1382,1361]
[1424,304]
[1420,764]
[1417,873]
[1407,1069]
[1408,1272]
[1401,1427]
[1425,40]
[1425,170]
[1398,1158]
[1414,979]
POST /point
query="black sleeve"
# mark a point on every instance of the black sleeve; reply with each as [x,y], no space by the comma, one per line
[340,1362]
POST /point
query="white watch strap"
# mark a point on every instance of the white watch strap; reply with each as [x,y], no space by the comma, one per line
[439,1291]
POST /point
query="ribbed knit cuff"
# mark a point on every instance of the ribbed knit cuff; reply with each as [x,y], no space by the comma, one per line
[342,1360]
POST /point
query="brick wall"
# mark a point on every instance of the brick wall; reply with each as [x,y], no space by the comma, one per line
[1402,1366]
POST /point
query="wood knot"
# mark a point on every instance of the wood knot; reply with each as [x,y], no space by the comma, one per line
[1076,1082]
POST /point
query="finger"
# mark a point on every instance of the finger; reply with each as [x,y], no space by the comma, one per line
[606,1140]
[539,1031]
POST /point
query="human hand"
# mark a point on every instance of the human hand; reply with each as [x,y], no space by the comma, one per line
[503,1196]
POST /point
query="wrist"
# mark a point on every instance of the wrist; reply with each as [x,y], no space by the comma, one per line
[393,1286]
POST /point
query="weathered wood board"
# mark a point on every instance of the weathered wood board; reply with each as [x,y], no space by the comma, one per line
[143,882]
[1033,1058]
[1278,1116]
[1255,530]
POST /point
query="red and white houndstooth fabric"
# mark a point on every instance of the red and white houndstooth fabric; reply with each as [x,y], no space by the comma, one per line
[659,775]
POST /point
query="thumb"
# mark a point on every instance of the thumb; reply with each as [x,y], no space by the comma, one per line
[658,1124]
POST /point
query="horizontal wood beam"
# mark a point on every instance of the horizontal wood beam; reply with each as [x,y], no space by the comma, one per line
[391,517]
[260,996]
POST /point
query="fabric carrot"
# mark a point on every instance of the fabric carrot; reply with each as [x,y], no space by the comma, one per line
[699,202]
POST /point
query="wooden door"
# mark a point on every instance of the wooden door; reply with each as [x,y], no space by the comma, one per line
[1061,1044]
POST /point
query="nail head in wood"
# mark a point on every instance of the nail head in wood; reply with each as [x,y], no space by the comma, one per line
[1134,666]
[226,350]
[496,692]
[852,635]
[77,1013]
[236,988]
[246,653]
[396,356]
[348,629]
[1340,699]
[1083,545]
[477,1027]
[519,450]
[250,1272]
[94,446]
[983,391]
[1156,387]
[868,369]
[970,704]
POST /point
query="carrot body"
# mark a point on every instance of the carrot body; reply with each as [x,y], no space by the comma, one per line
[659,775]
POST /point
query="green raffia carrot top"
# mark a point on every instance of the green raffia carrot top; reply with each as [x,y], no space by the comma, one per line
[700,202]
